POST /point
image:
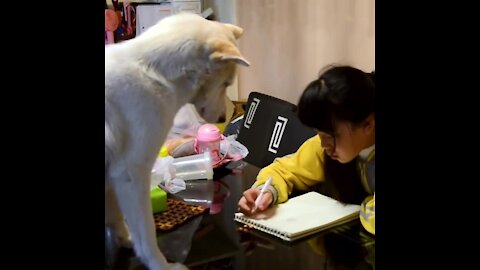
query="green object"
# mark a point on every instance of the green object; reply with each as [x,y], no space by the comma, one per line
[158,197]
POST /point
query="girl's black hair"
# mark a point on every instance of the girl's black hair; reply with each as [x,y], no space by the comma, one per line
[341,93]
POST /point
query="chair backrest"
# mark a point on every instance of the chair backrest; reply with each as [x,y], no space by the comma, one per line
[270,129]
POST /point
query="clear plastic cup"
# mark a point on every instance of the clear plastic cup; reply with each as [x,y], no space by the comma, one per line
[198,192]
[197,172]
[194,167]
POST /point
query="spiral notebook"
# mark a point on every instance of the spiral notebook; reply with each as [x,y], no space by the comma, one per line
[301,216]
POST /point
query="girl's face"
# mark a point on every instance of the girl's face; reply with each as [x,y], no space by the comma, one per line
[348,139]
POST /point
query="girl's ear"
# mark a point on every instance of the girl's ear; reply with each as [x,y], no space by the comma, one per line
[369,124]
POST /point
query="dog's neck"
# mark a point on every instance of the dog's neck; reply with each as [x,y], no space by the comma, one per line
[184,91]
[180,90]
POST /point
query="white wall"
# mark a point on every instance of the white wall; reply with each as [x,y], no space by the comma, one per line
[288,42]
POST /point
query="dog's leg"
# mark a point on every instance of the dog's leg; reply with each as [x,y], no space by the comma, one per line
[115,220]
[133,194]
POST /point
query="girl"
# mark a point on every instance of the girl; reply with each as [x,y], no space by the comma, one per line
[340,105]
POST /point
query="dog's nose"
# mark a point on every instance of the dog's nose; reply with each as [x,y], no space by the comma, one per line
[221,119]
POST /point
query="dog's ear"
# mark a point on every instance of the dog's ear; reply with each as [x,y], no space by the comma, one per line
[237,31]
[226,51]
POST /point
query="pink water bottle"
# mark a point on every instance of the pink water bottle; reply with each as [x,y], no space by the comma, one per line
[208,139]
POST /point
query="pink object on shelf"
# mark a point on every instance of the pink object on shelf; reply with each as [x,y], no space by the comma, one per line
[129,12]
[111,24]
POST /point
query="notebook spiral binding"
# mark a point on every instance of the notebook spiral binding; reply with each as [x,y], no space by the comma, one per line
[263,228]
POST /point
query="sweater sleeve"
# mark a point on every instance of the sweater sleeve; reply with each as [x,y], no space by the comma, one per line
[299,171]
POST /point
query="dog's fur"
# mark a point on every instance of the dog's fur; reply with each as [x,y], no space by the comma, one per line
[182,59]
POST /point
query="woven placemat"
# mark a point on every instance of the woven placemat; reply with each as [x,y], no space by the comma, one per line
[177,213]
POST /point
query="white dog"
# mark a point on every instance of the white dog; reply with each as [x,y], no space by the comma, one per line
[182,59]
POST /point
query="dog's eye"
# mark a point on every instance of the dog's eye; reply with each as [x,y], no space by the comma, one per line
[226,84]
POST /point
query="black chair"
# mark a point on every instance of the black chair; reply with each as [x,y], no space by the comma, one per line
[271,129]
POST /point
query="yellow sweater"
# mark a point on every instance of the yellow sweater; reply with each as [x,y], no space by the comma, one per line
[304,169]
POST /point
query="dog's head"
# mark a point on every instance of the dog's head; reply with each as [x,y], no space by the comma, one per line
[200,53]
[209,100]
